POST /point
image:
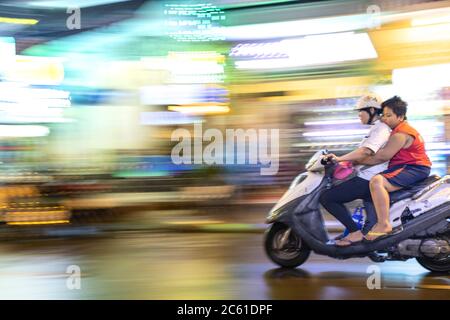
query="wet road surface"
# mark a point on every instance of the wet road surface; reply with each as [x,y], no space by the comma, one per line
[195,266]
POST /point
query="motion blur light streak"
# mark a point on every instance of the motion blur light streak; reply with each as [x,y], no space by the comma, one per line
[200,109]
[419,77]
[166,118]
[330,122]
[294,28]
[428,33]
[189,67]
[7,47]
[32,98]
[23,131]
[67,3]
[181,94]
[18,21]
[36,70]
[333,133]
[38,223]
[314,50]
[439,18]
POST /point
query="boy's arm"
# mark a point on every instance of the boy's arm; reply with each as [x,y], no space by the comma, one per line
[394,145]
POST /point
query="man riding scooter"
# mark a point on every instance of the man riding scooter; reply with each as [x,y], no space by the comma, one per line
[333,200]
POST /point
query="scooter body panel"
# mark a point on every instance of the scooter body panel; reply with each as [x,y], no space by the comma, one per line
[309,182]
[305,183]
[428,199]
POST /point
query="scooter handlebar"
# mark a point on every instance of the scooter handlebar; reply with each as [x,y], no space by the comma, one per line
[327,161]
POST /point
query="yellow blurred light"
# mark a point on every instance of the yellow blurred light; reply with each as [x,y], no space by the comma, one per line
[45,213]
[311,89]
[189,67]
[200,109]
[196,56]
[38,222]
[23,191]
[433,286]
[36,70]
[405,47]
[18,20]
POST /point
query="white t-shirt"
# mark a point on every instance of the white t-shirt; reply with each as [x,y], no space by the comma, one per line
[376,139]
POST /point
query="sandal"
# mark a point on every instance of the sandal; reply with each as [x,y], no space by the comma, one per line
[350,242]
[380,235]
[340,237]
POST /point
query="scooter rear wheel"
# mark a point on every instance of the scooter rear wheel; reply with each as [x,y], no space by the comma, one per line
[291,254]
[441,264]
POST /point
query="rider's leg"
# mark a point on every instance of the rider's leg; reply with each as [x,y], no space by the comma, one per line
[379,189]
[333,200]
[371,215]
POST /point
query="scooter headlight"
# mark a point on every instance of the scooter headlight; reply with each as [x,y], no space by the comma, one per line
[272,217]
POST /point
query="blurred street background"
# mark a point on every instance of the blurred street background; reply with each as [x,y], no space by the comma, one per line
[91,94]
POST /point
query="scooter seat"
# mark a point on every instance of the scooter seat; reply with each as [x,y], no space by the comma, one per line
[412,189]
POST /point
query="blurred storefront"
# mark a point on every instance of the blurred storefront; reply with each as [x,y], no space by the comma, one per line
[98,107]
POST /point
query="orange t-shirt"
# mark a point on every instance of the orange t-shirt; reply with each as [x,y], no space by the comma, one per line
[414,154]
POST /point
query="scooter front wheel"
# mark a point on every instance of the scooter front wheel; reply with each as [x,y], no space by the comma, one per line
[284,247]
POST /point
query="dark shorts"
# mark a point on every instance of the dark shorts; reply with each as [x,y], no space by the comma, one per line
[406,175]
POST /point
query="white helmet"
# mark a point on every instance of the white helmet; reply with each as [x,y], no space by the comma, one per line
[370,100]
